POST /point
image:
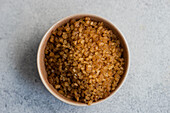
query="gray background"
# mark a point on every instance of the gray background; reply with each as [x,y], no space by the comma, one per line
[145,23]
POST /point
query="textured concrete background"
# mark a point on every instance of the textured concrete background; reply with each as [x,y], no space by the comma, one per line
[145,23]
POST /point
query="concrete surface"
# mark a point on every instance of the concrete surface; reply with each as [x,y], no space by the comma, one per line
[145,23]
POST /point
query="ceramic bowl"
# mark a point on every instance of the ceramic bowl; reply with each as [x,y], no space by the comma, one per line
[41,55]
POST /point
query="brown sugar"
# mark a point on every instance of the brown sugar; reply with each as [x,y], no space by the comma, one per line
[83,60]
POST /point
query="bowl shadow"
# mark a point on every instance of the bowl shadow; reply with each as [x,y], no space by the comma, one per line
[27,62]
[26,66]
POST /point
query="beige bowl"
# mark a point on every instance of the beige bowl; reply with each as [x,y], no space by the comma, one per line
[41,55]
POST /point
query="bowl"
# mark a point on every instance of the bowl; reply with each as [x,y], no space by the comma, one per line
[41,55]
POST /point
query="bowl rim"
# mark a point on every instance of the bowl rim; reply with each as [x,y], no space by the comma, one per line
[47,84]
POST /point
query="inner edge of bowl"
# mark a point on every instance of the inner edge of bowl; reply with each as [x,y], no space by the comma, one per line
[40,57]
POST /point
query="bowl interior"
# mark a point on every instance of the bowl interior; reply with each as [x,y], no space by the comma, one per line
[41,55]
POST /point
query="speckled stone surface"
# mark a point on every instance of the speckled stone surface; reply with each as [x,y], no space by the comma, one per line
[145,23]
